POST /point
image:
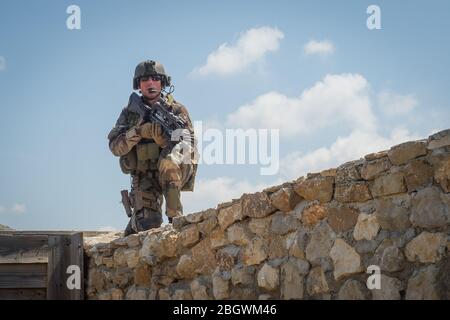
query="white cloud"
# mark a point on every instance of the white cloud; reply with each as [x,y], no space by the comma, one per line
[18,208]
[251,46]
[2,63]
[396,104]
[354,146]
[324,47]
[210,192]
[337,99]
[341,100]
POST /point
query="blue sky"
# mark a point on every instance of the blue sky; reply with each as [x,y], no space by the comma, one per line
[354,92]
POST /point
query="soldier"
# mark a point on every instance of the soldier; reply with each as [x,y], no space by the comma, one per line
[157,165]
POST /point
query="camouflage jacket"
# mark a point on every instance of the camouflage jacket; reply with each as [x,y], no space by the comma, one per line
[131,116]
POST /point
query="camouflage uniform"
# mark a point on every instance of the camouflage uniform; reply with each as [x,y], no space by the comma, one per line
[155,171]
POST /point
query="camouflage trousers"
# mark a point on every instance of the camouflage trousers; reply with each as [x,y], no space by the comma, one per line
[164,179]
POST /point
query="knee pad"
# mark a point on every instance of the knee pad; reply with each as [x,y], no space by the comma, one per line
[173,201]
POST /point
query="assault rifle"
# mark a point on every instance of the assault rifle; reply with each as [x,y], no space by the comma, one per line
[158,112]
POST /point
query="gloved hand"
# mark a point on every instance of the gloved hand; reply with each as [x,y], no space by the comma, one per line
[153,131]
[132,137]
[146,130]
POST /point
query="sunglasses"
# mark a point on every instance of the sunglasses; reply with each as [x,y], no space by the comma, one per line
[153,77]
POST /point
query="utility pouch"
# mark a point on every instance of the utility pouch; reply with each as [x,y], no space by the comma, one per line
[147,151]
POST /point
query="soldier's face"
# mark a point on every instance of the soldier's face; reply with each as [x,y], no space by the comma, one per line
[150,87]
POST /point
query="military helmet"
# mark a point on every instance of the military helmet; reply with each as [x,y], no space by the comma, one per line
[148,68]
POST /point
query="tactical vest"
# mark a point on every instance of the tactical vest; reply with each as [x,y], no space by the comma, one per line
[144,156]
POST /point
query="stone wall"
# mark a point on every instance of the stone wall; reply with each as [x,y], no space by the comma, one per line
[313,238]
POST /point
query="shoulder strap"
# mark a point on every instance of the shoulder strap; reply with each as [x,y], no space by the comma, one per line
[134,104]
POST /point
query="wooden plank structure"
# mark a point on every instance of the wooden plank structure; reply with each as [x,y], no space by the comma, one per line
[34,264]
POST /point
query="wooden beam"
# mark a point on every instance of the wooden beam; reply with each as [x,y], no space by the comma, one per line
[65,251]
[19,280]
[40,260]
[22,294]
[23,248]
[21,276]
[38,268]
